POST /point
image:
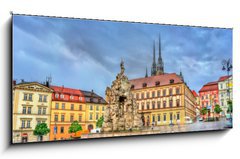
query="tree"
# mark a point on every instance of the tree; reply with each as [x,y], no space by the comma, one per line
[230,109]
[100,122]
[75,127]
[217,109]
[204,111]
[41,130]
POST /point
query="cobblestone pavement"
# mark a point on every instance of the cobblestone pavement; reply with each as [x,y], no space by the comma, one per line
[197,126]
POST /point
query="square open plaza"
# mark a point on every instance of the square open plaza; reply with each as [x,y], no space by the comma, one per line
[156,102]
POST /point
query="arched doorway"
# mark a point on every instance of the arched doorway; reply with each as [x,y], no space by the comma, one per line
[90,127]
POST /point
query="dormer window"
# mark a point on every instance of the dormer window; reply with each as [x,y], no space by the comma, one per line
[171,81]
[56,95]
[157,83]
[144,85]
[80,98]
[71,97]
[132,86]
[61,96]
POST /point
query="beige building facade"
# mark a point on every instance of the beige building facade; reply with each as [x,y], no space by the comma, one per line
[31,105]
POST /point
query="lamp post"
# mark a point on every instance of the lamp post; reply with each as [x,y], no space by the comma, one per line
[227,66]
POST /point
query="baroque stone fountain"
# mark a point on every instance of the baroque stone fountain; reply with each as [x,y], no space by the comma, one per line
[121,113]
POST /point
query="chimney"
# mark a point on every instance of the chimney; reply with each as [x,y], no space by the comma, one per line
[14,82]
[22,81]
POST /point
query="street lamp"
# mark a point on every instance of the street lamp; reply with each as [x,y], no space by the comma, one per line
[227,66]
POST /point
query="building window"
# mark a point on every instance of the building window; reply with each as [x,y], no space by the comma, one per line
[170,103]
[61,96]
[80,118]
[29,110]
[147,94]
[142,106]
[56,106]
[164,117]
[55,117]
[153,118]
[62,117]
[159,119]
[30,97]
[202,97]
[177,91]
[158,93]
[45,99]
[23,123]
[56,95]
[153,105]
[147,105]
[164,104]
[170,91]
[44,110]
[221,86]
[153,94]
[71,97]
[164,92]
[171,81]
[72,106]
[178,102]
[91,107]
[142,96]
[62,130]
[178,116]
[158,104]
[97,107]
[71,118]
[90,116]
[103,108]
[80,107]
[39,110]
[40,98]
[137,95]
[25,97]
[24,110]
[28,124]
[63,105]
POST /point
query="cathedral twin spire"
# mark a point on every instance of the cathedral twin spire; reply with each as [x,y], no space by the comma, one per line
[157,69]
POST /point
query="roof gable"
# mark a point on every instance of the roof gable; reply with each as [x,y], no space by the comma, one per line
[33,86]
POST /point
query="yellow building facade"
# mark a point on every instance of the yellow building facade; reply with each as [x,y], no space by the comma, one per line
[164,99]
[69,105]
[31,105]
[95,106]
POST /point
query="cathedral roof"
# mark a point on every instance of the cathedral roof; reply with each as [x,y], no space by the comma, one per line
[158,80]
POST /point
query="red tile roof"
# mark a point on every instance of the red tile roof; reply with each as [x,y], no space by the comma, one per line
[223,78]
[211,86]
[151,81]
[62,89]
[194,93]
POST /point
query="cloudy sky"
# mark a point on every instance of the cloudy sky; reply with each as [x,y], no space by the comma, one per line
[86,54]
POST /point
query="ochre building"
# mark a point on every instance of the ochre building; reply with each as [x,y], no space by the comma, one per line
[31,105]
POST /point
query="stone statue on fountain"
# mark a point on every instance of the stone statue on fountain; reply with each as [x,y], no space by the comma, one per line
[121,113]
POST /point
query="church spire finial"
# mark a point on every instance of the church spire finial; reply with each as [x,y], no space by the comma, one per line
[154,68]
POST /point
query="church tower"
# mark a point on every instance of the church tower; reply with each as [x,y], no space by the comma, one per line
[160,65]
[154,66]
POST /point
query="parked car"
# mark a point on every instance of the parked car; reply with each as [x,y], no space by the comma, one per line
[200,119]
[229,121]
[97,130]
[188,120]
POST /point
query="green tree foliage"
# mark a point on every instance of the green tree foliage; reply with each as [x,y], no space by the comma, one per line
[204,111]
[100,122]
[217,109]
[41,130]
[75,127]
[230,108]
